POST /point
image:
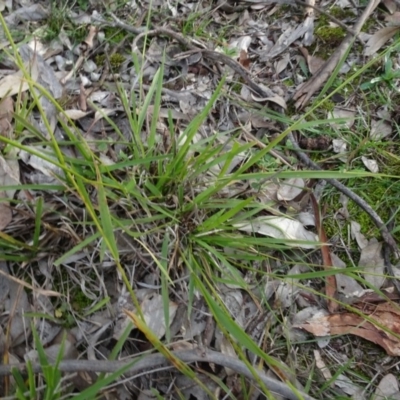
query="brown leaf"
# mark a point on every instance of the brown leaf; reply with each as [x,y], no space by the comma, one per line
[384,318]
[378,39]
[330,288]
[244,60]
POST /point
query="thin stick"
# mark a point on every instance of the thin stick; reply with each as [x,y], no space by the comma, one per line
[155,360]
[386,253]
[388,238]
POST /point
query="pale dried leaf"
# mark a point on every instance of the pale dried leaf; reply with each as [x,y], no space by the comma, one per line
[339,146]
[306,218]
[314,63]
[34,12]
[390,5]
[280,228]
[18,306]
[13,84]
[371,261]
[233,301]
[306,314]
[320,364]
[277,100]
[281,65]
[290,188]
[153,312]
[386,388]
[345,284]
[393,19]
[355,229]
[359,395]
[102,113]
[197,323]
[47,168]
[45,73]
[9,175]
[346,384]
[348,286]
[288,289]
[74,114]
[380,129]
[274,99]
[270,288]
[347,114]
[309,27]
[286,294]
[288,36]
[372,165]
[378,39]
[344,200]
[318,325]
[6,115]
[242,43]
[68,349]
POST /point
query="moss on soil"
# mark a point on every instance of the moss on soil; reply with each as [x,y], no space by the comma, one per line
[115,59]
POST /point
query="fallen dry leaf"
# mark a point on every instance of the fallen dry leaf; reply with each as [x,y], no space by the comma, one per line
[390,5]
[386,388]
[5,215]
[320,364]
[314,63]
[342,113]
[372,165]
[280,228]
[372,263]
[244,60]
[355,230]
[385,318]
[378,39]
[290,189]
[393,19]
[6,114]
[380,129]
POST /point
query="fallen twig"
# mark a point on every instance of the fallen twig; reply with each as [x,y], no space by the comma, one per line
[387,236]
[386,254]
[156,360]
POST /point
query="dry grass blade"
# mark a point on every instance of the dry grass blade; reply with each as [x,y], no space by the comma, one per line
[28,286]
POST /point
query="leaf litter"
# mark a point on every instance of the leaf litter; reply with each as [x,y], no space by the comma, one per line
[53,223]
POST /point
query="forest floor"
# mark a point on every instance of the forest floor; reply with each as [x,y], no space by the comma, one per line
[199,199]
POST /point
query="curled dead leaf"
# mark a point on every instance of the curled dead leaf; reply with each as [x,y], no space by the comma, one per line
[382,328]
